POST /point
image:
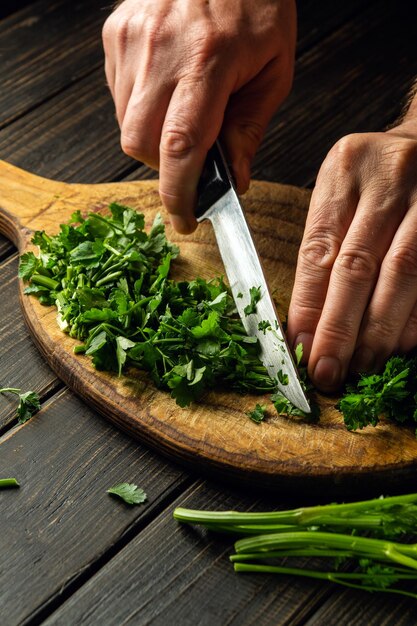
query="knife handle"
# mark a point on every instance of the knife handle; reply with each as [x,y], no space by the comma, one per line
[214,182]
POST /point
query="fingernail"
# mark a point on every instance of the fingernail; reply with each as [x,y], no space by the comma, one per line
[181,224]
[307,340]
[364,360]
[327,373]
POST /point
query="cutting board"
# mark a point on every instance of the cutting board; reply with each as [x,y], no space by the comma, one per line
[214,436]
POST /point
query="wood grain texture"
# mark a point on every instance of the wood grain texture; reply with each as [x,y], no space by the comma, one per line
[216,434]
[351,608]
[61,520]
[21,363]
[46,47]
[175,574]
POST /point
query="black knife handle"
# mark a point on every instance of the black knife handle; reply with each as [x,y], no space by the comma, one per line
[214,182]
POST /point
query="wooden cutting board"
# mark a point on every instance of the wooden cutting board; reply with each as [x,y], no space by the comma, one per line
[214,436]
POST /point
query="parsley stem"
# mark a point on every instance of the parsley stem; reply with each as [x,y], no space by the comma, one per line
[6,483]
[108,279]
[10,390]
[50,283]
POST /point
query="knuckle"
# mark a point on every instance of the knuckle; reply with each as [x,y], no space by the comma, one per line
[320,249]
[358,264]
[178,139]
[253,130]
[340,332]
[122,32]
[206,46]
[131,145]
[408,338]
[381,331]
[404,260]
[344,153]
[411,326]
[108,30]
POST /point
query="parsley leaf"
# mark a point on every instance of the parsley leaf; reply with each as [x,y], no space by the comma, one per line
[264,325]
[257,414]
[29,403]
[129,492]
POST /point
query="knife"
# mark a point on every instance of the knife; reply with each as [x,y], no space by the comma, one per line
[219,203]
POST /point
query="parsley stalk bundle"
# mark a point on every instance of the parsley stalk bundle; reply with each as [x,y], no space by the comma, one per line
[364,534]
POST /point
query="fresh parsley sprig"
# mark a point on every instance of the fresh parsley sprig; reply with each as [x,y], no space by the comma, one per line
[129,493]
[360,533]
[29,403]
[393,393]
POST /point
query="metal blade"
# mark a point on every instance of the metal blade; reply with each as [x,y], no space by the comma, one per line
[244,270]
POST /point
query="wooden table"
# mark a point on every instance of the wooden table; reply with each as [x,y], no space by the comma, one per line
[69,554]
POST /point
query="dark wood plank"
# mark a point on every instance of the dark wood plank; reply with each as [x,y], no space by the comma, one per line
[73,137]
[350,607]
[6,249]
[316,21]
[10,6]
[46,47]
[21,363]
[61,520]
[174,574]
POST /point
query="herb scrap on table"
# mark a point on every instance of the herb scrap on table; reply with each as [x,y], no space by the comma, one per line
[29,403]
[8,483]
[129,493]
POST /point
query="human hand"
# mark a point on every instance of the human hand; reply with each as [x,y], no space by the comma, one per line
[355,295]
[182,71]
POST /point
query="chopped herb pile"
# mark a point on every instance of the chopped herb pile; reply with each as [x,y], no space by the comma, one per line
[332,532]
[29,403]
[129,492]
[109,281]
[7,483]
[393,393]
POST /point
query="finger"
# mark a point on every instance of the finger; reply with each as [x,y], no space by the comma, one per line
[247,115]
[110,73]
[191,126]
[144,118]
[408,338]
[332,207]
[390,310]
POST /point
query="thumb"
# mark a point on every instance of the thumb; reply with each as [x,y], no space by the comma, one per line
[247,115]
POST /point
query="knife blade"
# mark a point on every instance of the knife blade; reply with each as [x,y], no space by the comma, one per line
[219,203]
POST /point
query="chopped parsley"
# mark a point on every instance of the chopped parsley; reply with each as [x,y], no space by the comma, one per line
[255,296]
[129,493]
[109,280]
[264,325]
[257,414]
